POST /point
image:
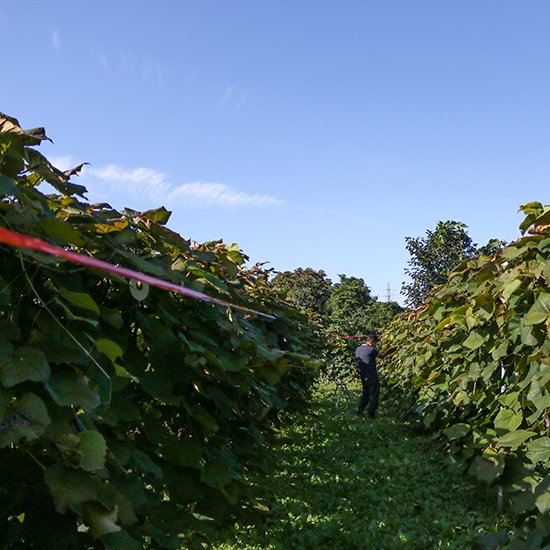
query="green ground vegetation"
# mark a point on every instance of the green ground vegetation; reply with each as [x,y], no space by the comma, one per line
[346,482]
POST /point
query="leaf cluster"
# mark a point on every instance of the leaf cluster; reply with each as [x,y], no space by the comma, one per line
[124,422]
[473,363]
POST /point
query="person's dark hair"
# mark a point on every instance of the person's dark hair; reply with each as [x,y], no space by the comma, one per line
[372,337]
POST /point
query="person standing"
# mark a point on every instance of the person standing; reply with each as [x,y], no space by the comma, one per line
[365,356]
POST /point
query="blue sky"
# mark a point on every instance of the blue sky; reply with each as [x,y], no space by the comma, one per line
[312,133]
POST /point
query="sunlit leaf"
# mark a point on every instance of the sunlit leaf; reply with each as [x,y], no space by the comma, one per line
[474,340]
[79,299]
[540,310]
[515,439]
[159,215]
[111,349]
[507,420]
[538,449]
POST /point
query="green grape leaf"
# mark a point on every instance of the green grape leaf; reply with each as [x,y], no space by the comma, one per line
[93,448]
[215,474]
[538,450]
[69,486]
[540,310]
[507,420]
[490,466]
[61,232]
[515,439]
[25,364]
[546,272]
[159,215]
[79,299]
[27,419]
[474,340]
[145,463]
[542,495]
[100,519]
[58,352]
[109,348]
[8,187]
[457,431]
[68,388]
[510,288]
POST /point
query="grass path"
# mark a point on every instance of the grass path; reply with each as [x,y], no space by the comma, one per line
[344,482]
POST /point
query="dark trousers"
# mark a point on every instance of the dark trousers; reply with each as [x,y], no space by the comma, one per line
[369,396]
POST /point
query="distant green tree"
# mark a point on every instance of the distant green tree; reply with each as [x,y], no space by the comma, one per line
[305,288]
[433,256]
[491,247]
[436,254]
[347,301]
[380,314]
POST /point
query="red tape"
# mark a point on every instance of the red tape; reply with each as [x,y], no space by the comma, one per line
[32,243]
[337,335]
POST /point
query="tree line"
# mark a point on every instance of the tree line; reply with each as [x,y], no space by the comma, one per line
[346,309]
[339,311]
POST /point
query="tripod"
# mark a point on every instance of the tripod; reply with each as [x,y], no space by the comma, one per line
[342,392]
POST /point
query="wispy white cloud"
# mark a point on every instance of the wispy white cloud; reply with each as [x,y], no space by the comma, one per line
[228,92]
[233,99]
[56,40]
[152,71]
[63,162]
[240,103]
[104,62]
[201,192]
[155,186]
[100,58]
[144,70]
[139,182]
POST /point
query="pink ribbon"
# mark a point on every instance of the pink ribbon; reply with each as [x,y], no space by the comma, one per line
[32,243]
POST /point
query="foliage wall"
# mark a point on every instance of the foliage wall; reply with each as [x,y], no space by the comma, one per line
[127,423]
[474,364]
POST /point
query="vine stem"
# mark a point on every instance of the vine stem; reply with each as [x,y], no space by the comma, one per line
[36,460]
[73,338]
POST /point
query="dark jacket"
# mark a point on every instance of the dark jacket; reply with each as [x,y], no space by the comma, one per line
[365,356]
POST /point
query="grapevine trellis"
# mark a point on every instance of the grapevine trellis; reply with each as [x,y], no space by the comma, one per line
[474,364]
[130,423]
